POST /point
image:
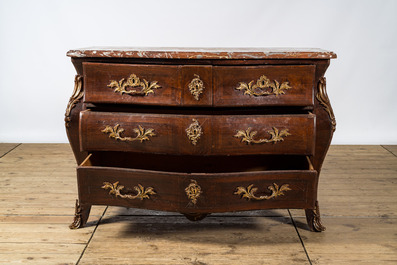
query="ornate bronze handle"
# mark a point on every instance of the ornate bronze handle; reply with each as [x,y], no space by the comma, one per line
[196,87]
[133,81]
[115,189]
[142,134]
[194,131]
[263,82]
[249,192]
[248,136]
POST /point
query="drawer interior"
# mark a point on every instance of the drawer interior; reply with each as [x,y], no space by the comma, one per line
[198,164]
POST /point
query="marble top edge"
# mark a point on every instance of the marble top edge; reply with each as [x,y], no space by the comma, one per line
[202,53]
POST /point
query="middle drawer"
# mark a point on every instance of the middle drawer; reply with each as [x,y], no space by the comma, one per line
[197,134]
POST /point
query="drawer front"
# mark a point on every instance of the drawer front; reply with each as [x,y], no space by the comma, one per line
[131,84]
[127,187]
[197,134]
[251,191]
[264,85]
[264,134]
[148,133]
[196,193]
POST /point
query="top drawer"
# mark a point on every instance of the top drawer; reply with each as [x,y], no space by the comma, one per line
[199,85]
[269,85]
[131,84]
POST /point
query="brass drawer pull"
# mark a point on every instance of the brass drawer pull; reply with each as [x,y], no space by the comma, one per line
[248,136]
[194,131]
[196,87]
[142,133]
[249,192]
[133,82]
[115,189]
[263,82]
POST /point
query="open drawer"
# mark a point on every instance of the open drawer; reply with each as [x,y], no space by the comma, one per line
[179,184]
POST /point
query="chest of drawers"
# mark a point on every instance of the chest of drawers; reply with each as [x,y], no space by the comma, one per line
[199,131]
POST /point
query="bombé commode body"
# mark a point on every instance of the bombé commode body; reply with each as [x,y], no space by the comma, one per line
[199,131]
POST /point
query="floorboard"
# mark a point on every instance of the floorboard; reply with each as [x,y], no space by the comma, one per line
[357,196]
[6,147]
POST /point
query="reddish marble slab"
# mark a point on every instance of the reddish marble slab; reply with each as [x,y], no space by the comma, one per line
[203,53]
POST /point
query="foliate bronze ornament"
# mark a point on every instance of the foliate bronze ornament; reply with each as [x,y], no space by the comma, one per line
[142,133]
[247,136]
[257,89]
[77,221]
[322,97]
[133,81]
[115,189]
[249,192]
[74,99]
[194,131]
[193,191]
[196,87]
[313,219]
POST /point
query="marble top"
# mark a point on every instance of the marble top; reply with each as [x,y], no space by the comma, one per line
[202,53]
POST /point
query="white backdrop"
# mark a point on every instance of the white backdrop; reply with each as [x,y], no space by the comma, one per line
[36,77]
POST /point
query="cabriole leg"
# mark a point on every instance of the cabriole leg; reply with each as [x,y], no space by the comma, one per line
[313,219]
[82,211]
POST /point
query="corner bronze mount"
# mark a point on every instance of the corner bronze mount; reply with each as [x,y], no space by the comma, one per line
[74,99]
[257,89]
[322,97]
[77,221]
[313,219]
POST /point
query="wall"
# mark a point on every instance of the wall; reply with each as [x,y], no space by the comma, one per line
[36,78]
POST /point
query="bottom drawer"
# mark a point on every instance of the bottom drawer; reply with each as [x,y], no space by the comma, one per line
[197,184]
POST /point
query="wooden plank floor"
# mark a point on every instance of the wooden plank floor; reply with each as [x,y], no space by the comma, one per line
[358,202]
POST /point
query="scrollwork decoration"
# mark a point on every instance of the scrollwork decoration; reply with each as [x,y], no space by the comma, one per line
[313,219]
[77,220]
[194,131]
[77,94]
[133,81]
[142,133]
[115,189]
[257,89]
[322,97]
[193,191]
[249,192]
[196,87]
[247,136]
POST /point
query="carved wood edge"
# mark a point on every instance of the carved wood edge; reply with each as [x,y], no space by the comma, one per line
[313,219]
[75,98]
[322,97]
[194,217]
